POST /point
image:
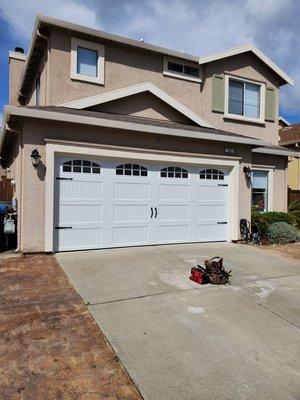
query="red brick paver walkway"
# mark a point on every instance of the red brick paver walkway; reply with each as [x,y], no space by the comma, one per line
[50,347]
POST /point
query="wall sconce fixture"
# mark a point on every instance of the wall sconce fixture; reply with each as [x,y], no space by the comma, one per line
[35,158]
[248,172]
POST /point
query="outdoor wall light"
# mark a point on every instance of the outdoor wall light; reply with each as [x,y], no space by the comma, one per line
[35,158]
[247,171]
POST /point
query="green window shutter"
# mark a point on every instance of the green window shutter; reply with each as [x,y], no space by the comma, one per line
[218,93]
[270,104]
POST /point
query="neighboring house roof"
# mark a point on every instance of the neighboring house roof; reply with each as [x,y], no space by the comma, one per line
[245,49]
[290,134]
[276,150]
[126,122]
[132,90]
[286,122]
[43,21]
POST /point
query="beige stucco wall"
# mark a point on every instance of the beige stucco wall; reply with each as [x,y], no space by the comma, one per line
[44,67]
[280,178]
[144,105]
[245,66]
[124,66]
[33,181]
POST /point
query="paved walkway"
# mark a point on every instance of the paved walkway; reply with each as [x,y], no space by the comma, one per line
[50,346]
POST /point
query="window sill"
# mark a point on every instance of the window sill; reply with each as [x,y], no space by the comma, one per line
[245,119]
[85,78]
[184,77]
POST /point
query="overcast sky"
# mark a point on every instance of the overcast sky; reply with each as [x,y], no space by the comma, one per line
[199,27]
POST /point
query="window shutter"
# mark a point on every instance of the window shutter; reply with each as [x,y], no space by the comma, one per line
[270,104]
[218,93]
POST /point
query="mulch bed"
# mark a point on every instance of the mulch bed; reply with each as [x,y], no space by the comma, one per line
[50,346]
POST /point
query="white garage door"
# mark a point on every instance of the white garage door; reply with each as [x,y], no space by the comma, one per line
[101,203]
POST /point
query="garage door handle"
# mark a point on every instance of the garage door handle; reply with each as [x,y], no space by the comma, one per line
[221,222]
[63,227]
[155,212]
[151,212]
[63,179]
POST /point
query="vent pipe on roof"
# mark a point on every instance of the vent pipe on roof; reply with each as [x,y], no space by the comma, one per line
[19,50]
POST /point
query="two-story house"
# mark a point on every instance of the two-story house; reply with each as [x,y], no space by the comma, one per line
[115,142]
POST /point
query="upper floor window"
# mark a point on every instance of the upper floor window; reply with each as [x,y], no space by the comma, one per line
[173,172]
[244,99]
[87,61]
[181,69]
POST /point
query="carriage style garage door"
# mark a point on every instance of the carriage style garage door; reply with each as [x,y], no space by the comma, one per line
[101,204]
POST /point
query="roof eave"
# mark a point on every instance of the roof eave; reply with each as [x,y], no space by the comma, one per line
[276,152]
[131,126]
[285,78]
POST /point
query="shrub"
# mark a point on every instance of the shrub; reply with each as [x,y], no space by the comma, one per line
[281,232]
[263,220]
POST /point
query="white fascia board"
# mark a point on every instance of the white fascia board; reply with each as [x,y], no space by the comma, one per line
[131,126]
[284,121]
[243,49]
[16,55]
[277,152]
[135,89]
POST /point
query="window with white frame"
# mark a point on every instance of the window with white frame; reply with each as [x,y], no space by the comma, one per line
[87,61]
[260,190]
[181,69]
[244,99]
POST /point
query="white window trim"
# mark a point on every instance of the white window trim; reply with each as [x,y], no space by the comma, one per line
[270,171]
[180,75]
[261,119]
[75,43]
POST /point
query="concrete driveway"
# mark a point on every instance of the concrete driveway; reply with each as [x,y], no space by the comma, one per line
[180,340]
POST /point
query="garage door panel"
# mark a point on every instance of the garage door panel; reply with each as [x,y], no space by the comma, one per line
[131,191]
[173,191]
[173,233]
[209,212]
[75,213]
[173,212]
[210,231]
[131,213]
[129,235]
[72,189]
[80,238]
[211,193]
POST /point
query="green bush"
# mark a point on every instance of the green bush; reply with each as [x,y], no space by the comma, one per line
[281,232]
[263,220]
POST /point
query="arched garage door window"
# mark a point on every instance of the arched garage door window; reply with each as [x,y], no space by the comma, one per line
[212,174]
[173,172]
[131,169]
[81,166]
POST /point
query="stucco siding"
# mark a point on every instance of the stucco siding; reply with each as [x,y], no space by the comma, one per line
[33,181]
[280,178]
[244,66]
[124,67]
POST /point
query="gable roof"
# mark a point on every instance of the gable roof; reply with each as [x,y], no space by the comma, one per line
[290,134]
[123,122]
[135,89]
[285,121]
[39,39]
[244,49]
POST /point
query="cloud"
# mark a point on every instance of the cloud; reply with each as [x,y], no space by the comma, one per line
[196,26]
[21,14]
